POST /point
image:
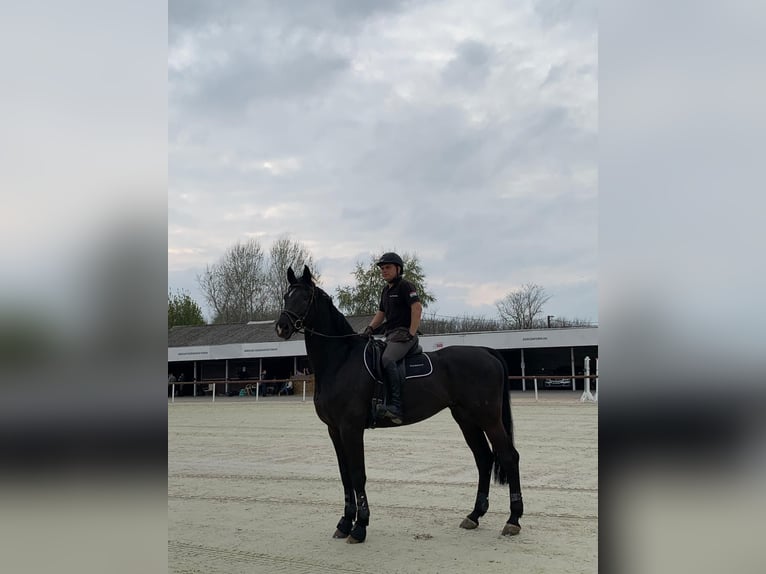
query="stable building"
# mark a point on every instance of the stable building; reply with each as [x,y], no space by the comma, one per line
[237,353]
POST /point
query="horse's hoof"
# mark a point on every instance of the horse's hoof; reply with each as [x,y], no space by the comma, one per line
[468,524]
[358,534]
[511,529]
[339,534]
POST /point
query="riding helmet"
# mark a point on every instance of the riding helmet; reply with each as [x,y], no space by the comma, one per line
[391,257]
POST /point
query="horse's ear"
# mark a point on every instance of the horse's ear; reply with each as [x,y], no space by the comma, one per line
[306,274]
[291,276]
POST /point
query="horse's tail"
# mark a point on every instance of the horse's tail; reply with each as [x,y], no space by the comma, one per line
[500,475]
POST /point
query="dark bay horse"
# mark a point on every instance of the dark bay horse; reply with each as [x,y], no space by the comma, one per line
[471,381]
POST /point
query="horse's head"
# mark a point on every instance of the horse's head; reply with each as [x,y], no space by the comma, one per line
[298,301]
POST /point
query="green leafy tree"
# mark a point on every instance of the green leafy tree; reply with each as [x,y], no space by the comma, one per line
[183,310]
[363,297]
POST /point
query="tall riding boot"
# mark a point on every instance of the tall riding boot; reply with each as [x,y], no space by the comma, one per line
[394,382]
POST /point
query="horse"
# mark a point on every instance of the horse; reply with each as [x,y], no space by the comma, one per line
[471,381]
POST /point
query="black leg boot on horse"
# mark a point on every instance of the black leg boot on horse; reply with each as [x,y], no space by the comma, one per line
[393,378]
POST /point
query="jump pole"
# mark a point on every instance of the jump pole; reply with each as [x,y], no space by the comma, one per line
[596,395]
[523,373]
[586,394]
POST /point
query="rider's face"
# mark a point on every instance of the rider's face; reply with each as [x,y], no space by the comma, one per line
[388,271]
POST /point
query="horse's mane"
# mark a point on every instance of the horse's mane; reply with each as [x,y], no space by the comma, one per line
[338,320]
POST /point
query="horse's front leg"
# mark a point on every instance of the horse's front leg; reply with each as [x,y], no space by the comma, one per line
[353,447]
[343,529]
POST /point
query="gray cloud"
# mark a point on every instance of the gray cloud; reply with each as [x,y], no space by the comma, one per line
[578,12]
[228,89]
[372,128]
[337,15]
[470,66]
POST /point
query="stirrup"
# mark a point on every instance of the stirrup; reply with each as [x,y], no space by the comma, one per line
[393,417]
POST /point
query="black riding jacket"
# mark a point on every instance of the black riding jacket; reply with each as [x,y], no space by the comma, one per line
[395,301]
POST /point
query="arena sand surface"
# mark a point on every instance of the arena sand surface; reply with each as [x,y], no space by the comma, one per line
[254,487]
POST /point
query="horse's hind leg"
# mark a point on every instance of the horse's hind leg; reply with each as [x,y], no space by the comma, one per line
[482,454]
[353,448]
[508,458]
[343,529]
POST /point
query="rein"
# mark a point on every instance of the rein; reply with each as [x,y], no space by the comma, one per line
[330,336]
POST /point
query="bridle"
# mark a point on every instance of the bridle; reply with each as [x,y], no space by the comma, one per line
[298,323]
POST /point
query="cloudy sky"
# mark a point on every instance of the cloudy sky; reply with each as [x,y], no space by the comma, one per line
[468,136]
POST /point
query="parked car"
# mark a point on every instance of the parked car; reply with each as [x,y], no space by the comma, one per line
[557,383]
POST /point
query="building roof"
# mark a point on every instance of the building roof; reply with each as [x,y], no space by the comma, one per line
[236,333]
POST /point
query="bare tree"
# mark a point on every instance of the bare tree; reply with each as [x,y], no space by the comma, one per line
[284,253]
[433,324]
[571,322]
[520,308]
[234,286]
[246,285]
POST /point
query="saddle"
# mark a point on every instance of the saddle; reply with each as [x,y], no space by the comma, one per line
[415,364]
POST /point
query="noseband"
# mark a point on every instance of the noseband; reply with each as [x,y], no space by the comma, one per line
[297,323]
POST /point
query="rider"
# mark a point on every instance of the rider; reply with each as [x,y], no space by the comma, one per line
[401,309]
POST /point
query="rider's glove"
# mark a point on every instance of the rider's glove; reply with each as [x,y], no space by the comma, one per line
[368,331]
